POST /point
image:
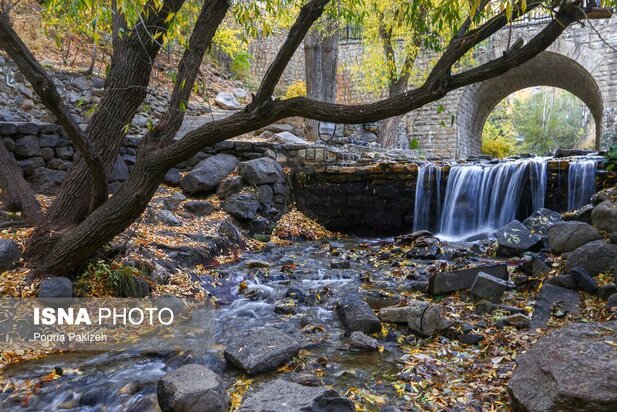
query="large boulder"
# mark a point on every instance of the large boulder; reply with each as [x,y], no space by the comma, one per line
[261,350]
[261,171]
[282,395]
[208,173]
[554,301]
[515,239]
[9,254]
[447,282]
[357,315]
[571,369]
[604,216]
[56,288]
[243,206]
[541,221]
[27,146]
[192,388]
[594,257]
[567,236]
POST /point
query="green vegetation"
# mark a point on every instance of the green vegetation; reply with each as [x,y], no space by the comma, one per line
[536,121]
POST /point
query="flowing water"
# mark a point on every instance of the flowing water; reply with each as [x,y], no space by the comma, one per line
[581,183]
[428,190]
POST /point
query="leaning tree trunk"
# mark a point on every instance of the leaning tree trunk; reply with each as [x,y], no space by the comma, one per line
[17,193]
[320,63]
[388,134]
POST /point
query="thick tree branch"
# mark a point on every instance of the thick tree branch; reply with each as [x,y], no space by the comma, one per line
[44,87]
[307,16]
[210,18]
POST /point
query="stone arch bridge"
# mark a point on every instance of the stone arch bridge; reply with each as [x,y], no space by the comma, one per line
[580,61]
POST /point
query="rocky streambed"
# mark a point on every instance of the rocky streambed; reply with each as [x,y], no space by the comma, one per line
[411,323]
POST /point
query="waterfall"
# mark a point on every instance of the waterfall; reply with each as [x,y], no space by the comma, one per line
[581,182]
[484,198]
[428,186]
[538,172]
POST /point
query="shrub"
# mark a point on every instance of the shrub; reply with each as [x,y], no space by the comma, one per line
[241,64]
[296,89]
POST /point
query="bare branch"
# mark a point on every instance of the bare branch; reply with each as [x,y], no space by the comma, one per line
[307,16]
[44,87]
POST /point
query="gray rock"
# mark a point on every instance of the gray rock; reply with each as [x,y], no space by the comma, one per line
[239,93]
[49,140]
[172,177]
[259,225]
[173,201]
[611,302]
[82,83]
[261,171]
[64,152]
[541,221]
[517,320]
[583,280]
[120,171]
[230,186]
[447,282]
[357,315]
[265,194]
[554,300]
[56,287]
[208,173]
[7,129]
[168,218]
[604,216]
[9,254]
[340,264]
[199,207]
[594,257]
[46,181]
[535,266]
[47,153]
[359,341]
[227,101]
[27,146]
[613,238]
[288,137]
[192,388]
[423,318]
[243,206]
[564,281]
[605,291]
[572,369]
[261,350]
[488,287]
[28,128]
[282,395]
[57,164]
[582,215]
[515,239]
[567,236]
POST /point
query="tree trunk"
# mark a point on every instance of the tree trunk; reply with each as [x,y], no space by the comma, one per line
[388,134]
[320,64]
[17,193]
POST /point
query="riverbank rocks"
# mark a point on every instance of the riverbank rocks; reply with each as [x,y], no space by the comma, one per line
[56,288]
[583,280]
[282,395]
[261,171]
[423,318]
[573,369]
[554,301]
[192,388]
[261,350]
[604,216]
[357,315]
[9,254]
[447,282]
[208,173]
[488,287]
[242,206]
[594,257]
[541,221]
[567,236]
[199,207]
[515,239]
[361,342]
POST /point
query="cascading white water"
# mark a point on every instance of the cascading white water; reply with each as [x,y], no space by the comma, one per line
[482,198]
[538,171]
[428,186]
[581,182]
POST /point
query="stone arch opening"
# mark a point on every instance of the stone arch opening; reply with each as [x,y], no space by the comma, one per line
[547,69]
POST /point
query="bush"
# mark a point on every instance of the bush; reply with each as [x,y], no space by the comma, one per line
[498,147]
[296,89]
[241,64]
[103,279]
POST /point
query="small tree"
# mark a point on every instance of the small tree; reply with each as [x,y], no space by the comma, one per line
[83,218]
